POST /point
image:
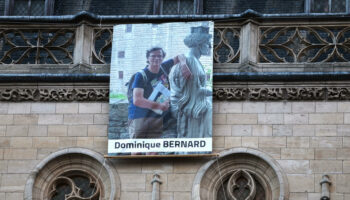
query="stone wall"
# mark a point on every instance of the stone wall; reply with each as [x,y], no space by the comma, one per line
[307,139]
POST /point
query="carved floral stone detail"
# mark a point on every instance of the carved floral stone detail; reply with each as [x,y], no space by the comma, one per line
[54,94]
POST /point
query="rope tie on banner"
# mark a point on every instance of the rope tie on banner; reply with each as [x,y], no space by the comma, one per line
[220,175]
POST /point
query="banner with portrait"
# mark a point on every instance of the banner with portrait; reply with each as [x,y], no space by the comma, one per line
[161,83]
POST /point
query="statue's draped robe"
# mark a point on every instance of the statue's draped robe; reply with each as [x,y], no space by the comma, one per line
[191,102]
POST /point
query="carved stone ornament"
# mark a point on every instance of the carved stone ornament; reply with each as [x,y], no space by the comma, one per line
[273,94]
[54,94]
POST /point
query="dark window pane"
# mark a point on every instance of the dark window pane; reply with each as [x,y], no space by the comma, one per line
[338,6]
[20,7]
[319,6]
[37,8]
[177,7]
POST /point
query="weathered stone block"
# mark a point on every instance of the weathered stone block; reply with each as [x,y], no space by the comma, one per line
[219,119]
[295,166]
[282,130]
[21,166]
[230,107]
[37,131]
[343,183]
[343,154]
[343,130]
[326,130]
[78,119]
[129,195]
[253,107]
[272,142]
[43,108]
[6,119]
[326,142]
[303,130]
[231,142]
[20,154]
[21,142]
[262,130]
[298,142]
[4,108]
[180,182]
[133,182]
[77,130]
[67,108]
[325,166]
[303,107]
[97,130]
[45,142]
[86,142]
[222,130]
[326,154]
[13,182]
[278,107]
[90,107]
[297,154]
[296,118]
[301,182]
[270,118]
[343,106]
[218,142]
[252,142]
[65,142]
[19,108]
[182,196]
[50,119]
[19,130]
[326,107]
[331,118]
[241,130]
[57,130]
[101,119]
[241,119]
[298,196]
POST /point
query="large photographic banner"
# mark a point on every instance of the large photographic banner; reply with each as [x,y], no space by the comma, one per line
[161,89]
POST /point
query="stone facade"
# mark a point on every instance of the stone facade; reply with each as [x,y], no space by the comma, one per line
[307,139]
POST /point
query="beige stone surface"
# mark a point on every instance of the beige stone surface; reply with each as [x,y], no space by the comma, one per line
[3,166]
[104,107]
[21,166]
[159,166]
[346,166]
[301,182]
[326,142]
[90,107]
[343,130]
[50,119]
[282,130]
[182,196]
[13,182]
[273,142]
[253,107]
[343,154]
[231,142]
[5,142]
[97,130]
[4,107]
[303,130]
[43,108]
[101,118]
[325,154]
[278,107]
[187,165]
[297,153]
[19,130]
[180,182]
[303,107]
[343,106]
[298,142]
[270,118]
[262,130]
[222,130]
[326,130]
[296,118]
[129,195]
[241,130]
[19,108]
[133,182]
[325,166]
[35,130]
[86,142]
[21,142]
[252,142]
[78,130]
[57,130]
[14,195]
[325,107]
[228,107]
[67,108]
[6,119]
[343,183]
[45,142]
[78,119]
[65,142]
[218,142]
[295,166]
[219,119]
[241,119]
[298,196]
[331,118]
[2,131]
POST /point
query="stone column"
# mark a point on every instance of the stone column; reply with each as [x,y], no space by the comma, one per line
[155,189]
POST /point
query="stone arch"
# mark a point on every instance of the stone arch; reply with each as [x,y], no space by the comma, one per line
[265,169]
[71,160]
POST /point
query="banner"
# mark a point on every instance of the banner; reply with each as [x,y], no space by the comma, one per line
[161,89]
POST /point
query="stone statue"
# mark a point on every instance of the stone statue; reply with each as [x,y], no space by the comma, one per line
[191,101]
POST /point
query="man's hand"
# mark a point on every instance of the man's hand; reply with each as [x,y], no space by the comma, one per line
[186,73]
[164,106]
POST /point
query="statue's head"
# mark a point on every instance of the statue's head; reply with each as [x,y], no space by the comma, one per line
[199,38]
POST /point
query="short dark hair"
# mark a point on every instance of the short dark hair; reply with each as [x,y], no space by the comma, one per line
[149,51]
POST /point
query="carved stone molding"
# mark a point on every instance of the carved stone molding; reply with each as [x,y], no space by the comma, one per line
[281,93]
[219,94]
[54,94]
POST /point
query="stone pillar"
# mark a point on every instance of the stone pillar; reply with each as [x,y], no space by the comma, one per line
[325,183]
[155,189]
[249,45]
[83,45]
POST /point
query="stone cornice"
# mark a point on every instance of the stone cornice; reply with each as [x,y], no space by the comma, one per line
[255,93]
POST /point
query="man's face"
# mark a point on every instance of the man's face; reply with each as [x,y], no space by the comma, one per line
[156,58]
[205,49]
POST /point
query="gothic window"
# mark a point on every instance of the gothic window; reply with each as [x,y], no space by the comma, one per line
[177,7]
[241,174]
[29,7]
[327,6]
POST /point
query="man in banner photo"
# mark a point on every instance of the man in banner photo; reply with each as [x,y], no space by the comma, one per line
[150,94]
[161,89]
